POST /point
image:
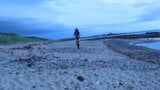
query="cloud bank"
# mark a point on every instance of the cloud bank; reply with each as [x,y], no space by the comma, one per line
[62,16]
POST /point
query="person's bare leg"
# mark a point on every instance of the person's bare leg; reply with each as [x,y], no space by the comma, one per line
[78,46]
[78,43]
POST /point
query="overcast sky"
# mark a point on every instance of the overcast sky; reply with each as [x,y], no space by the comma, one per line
[58,18]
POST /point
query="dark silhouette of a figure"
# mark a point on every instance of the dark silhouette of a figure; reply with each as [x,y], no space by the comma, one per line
[77,37]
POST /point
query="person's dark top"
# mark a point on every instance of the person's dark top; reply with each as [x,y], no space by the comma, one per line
[77,33]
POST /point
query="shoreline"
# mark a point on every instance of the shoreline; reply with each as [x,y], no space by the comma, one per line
[152,45]
[133,51]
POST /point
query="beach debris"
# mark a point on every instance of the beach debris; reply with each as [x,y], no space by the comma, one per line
[30,59]
[23,48]
[28,47]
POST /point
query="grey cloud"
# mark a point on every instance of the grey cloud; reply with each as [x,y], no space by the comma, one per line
[26,2]
[14,27]
[152,15]
[19,26]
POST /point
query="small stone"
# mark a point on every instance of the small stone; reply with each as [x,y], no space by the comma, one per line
[109,46]
[33,86]
[86,59]
[30,65]
[17,73]
[80,78]
[8,73]
[65,72]
[121,83]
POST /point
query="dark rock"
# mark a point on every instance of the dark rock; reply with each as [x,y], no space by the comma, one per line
[86,59]
[109,46]
[114,86]
[44,52]
[120,83]
[17,73]
[30,65]
[80,78]
[65,72]
[33,86]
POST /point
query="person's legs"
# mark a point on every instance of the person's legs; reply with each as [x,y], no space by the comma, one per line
[78,43]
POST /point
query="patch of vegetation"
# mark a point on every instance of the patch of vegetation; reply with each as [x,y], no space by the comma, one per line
[11,38]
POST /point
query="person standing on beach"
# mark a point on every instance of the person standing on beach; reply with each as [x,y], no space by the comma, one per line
[77,37]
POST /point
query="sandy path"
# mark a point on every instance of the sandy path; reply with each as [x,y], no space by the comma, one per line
[60,66]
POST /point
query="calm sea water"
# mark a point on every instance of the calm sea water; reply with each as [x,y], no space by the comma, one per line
[155,45]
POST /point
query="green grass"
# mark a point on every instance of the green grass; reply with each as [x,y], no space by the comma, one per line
[9,38]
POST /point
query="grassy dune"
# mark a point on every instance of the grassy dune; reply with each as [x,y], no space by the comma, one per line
[10,38]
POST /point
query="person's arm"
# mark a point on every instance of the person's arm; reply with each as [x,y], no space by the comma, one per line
[79,33]
[74,33]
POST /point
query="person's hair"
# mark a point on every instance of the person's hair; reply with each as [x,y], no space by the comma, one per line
[76,31]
